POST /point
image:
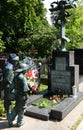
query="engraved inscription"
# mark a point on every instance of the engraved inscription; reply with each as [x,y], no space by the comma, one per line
[61,80]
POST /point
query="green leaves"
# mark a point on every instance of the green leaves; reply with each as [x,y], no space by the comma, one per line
[18,19]
[75,28]
[2,46]
[1,108]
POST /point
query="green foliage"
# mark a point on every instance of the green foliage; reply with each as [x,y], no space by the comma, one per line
[74,127]
[75,28]
[2,46]
[20,19]
[49,102]
[44,102]
[13,104]
[42,39]
[23,24]
[42,87]
[1,108]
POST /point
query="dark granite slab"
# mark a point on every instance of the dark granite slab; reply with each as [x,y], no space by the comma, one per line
[62,109]
[33,98]
[37,112]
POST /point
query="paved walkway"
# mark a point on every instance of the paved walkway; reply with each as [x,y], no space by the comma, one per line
[36,124]
[80,127]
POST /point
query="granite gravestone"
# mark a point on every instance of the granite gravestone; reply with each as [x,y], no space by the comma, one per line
[63,74]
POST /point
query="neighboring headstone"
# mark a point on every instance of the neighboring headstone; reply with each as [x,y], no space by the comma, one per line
[79,59]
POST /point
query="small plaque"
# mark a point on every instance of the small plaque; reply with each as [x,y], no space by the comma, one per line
[60,63]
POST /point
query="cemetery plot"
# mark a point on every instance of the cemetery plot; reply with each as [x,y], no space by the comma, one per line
[44,109]
[49,102]
[59,99]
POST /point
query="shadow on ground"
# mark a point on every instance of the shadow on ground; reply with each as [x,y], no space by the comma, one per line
[3,124]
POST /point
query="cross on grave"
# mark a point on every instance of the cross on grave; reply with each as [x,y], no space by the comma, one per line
[59,11]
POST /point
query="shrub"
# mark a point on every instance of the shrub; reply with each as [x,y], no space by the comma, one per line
[1,107]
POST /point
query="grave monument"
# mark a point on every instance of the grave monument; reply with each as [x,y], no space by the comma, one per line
[63,75]
[63,72]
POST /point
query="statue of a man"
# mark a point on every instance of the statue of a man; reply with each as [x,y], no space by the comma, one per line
[21,90]
[8,76]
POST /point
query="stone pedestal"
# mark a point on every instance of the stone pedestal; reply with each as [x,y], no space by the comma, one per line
[63,73]
[61,110]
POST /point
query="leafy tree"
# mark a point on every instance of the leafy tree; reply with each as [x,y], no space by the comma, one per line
[75,28]
[20,19]
[24,24]
[43,41]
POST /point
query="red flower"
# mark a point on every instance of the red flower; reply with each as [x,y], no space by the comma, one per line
[29,74]
[33,73]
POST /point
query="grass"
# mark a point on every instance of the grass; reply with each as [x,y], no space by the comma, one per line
[2,110]
[49,102]
[77,123]
[44,103]
[42,87]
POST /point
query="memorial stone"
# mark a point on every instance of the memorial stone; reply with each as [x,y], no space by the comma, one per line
[63,73]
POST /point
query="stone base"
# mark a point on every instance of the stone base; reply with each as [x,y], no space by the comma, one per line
[58,112]
[40,113]
[33,98]
[62,109]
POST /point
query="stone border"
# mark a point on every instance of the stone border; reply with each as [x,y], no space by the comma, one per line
[58,112]
[67,105]
[37,112]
